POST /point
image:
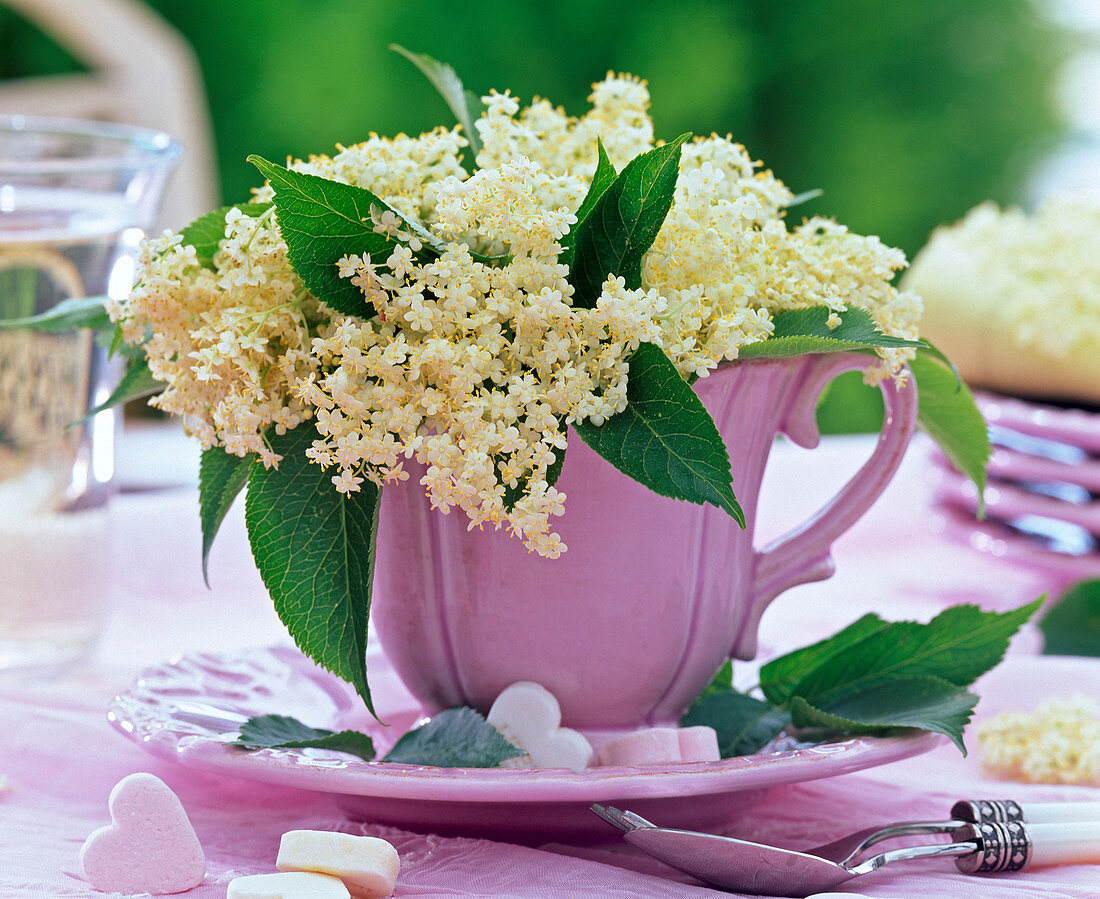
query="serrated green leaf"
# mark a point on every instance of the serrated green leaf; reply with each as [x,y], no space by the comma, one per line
[665,438]
[465,105]
[454,738]
[283,732]
[68,315]
[221,477]
[780,676]
[207,231]
[624,222]
[602,179]
[925,702]
[947,412]
[958,645]
[1072,627]
[315,548]
[743,724]
[322,221]
[801,331]
[136,382]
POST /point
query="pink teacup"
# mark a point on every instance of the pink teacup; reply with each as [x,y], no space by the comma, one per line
[653,594]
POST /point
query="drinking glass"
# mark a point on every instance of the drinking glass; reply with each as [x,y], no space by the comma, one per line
[75,200]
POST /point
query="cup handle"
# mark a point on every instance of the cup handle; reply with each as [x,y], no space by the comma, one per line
[803,554]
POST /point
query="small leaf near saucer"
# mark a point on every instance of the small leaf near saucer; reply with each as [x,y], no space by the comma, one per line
[284,732]
[454,738]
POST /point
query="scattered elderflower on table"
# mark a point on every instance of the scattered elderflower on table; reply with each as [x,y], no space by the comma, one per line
[1059,742]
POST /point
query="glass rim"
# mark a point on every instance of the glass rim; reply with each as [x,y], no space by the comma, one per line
[153,148]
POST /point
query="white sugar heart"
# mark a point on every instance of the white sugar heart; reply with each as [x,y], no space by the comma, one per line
[149,846]
[528,714]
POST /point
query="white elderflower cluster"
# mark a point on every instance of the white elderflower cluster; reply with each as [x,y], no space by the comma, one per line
[475,366]
[1057,743]
[229,342]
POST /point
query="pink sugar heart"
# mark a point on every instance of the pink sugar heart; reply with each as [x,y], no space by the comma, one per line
[149,846]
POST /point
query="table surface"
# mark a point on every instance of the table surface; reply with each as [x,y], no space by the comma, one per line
[61,757]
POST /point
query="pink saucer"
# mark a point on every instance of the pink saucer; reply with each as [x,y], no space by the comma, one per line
[1073,427]
[188,709]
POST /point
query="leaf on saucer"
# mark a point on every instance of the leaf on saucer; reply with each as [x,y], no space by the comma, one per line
[454,738]
[1072,627]
[958,646]
[284,732]
[222,476]
[780,676]
[743,724]
[928,703]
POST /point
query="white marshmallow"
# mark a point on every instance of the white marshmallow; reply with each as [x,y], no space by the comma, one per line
[298,885]
[367,866]
[528,715]
[698,744]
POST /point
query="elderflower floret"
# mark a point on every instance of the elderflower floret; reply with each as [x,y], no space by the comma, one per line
[1059,742]
[473,359]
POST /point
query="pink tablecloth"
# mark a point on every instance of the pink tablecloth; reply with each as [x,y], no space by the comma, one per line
[62,758]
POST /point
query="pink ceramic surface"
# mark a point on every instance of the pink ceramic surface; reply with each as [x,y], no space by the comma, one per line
[1060,570]
[652,596]
[184,711]
[1005,501]
[1075,427]
[1009,465]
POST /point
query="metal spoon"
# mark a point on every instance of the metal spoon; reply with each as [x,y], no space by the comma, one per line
[751,867]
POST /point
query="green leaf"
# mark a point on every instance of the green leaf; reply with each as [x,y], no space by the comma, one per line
[207,231]
[743,724]
[1072,627]
[958,645]
[314,548]
[136,382]
[282,732]
[602,179]
[723,680]
[925,702]
[465,105]
[665,438]
[780,676]
[68,315]
[623,223]
[801,331]
[322,221]
[454,738]
[947,412]
[221,477]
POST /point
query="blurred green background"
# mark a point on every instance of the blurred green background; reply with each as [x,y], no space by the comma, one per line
[904,114]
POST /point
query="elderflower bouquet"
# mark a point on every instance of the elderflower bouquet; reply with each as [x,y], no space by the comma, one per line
[469,298]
